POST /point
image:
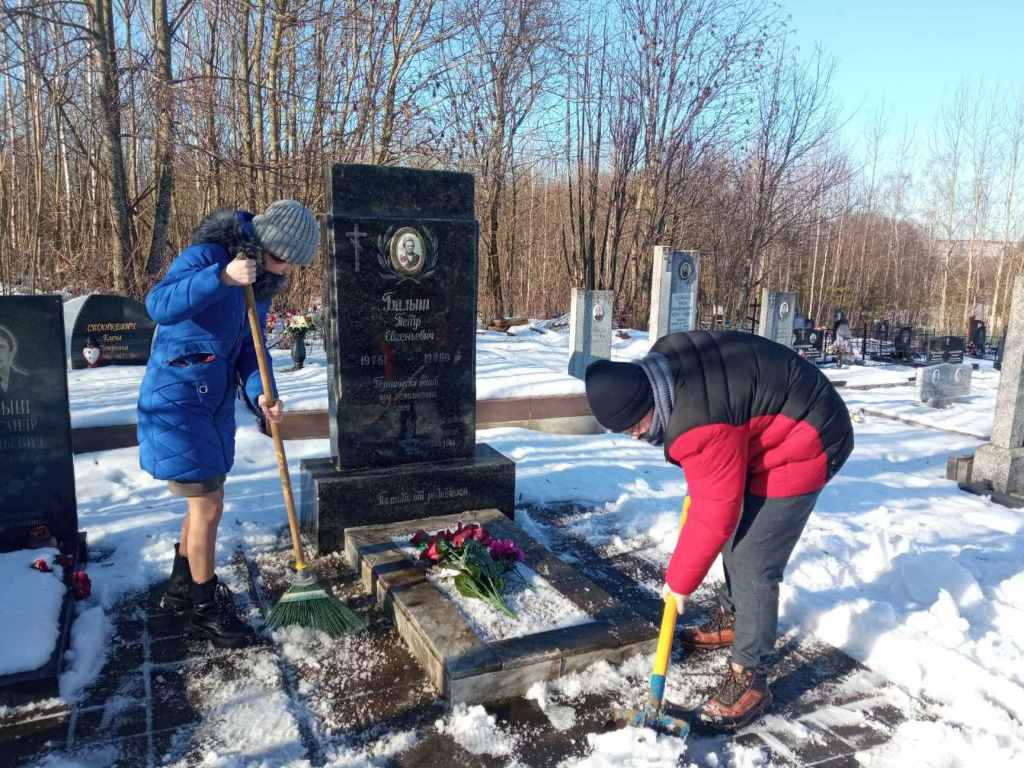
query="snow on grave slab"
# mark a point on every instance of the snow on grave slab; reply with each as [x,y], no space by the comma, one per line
[30,610]
[537,605]
[465,667]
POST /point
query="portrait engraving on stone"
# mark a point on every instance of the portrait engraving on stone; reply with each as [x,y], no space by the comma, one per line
[408,251]
[14,382]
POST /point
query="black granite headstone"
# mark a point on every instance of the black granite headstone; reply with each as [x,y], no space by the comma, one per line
[118,327]
[945,349]
[400,287]
[37,475]
[810,342]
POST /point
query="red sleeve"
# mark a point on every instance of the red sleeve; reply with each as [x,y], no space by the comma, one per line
[714,458]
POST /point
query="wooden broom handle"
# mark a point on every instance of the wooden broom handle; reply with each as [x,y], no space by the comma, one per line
[275,432]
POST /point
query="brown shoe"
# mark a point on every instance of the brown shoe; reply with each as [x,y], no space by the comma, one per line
[717,632]
[742,697]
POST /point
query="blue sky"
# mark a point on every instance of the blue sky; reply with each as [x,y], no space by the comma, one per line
[911,53]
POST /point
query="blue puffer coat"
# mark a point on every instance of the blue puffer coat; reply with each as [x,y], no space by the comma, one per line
[202,354]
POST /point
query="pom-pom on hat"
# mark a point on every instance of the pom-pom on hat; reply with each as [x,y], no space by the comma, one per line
[620,394]
[288,229]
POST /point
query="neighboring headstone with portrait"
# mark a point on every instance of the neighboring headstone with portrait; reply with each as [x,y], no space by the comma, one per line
[590,329]
[102,329]
[674,285]
[778,310]
[37,479]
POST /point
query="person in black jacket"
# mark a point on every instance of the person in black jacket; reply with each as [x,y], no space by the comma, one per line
[758,431]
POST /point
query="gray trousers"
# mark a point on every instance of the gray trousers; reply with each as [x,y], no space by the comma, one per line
[755,557]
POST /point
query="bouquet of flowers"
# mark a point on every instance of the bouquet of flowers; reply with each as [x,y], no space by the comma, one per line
[299,324]
[483,564]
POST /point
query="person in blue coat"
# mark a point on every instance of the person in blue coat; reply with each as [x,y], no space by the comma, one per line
[202,356]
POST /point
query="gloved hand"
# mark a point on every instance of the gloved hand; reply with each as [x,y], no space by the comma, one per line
[666,593]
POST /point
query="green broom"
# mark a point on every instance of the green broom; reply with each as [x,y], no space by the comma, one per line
[306,603]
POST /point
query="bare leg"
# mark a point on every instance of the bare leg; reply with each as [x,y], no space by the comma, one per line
[204,513]
[183,541]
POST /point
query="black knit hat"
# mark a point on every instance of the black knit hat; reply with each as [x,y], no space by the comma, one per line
[620,394]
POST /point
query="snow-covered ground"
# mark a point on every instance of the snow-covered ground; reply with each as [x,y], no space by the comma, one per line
[29,610]
[923,583]
[524,364]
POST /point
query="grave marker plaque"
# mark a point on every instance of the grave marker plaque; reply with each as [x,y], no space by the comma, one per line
[777,311]
[590,329]
[400,272]
[37,476]
[945,349]
[674,285]
[104,329]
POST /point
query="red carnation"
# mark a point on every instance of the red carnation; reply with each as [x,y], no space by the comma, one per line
[81,585]
[42,565]
[433,551]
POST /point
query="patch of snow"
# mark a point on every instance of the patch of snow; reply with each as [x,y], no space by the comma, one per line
[629,748]
[29,610]
[476,731]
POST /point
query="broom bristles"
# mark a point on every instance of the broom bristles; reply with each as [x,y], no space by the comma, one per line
[307,604]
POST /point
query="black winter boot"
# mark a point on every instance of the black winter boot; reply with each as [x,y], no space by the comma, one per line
[178,593]
[215,618]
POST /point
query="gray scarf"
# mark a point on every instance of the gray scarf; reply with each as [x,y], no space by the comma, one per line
[663,385]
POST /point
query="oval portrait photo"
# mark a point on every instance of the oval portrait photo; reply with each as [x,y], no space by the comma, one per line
[408,251]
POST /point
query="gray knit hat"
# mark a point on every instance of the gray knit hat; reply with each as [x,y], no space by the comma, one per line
[288,229]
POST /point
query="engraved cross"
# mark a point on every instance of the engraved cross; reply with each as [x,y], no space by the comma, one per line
[355,236]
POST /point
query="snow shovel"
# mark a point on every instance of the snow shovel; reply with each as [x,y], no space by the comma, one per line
[650,715]
[306,603]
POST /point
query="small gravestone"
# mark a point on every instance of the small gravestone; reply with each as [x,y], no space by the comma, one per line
[400,286]
[977,337]
[37,473]
[901,344]
[939,385]
[809,342]
[590,329]
[674,284]
[777,312]
[102,329]
[945,349]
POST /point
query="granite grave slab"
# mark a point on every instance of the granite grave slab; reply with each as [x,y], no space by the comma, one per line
[464,667]
[400,291]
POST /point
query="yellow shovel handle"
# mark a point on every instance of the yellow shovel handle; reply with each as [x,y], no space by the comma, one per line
[668,616]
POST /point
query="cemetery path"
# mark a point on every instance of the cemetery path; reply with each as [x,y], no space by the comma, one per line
[163,699]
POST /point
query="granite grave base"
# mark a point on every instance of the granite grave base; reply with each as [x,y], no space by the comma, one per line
[462,666]
[332,500]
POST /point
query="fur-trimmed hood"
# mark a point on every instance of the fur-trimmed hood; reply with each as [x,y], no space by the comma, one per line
[233,230]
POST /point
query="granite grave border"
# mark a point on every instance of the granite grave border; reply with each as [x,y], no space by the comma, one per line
[464,668]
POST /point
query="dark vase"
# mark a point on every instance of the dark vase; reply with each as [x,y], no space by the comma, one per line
[298,350]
